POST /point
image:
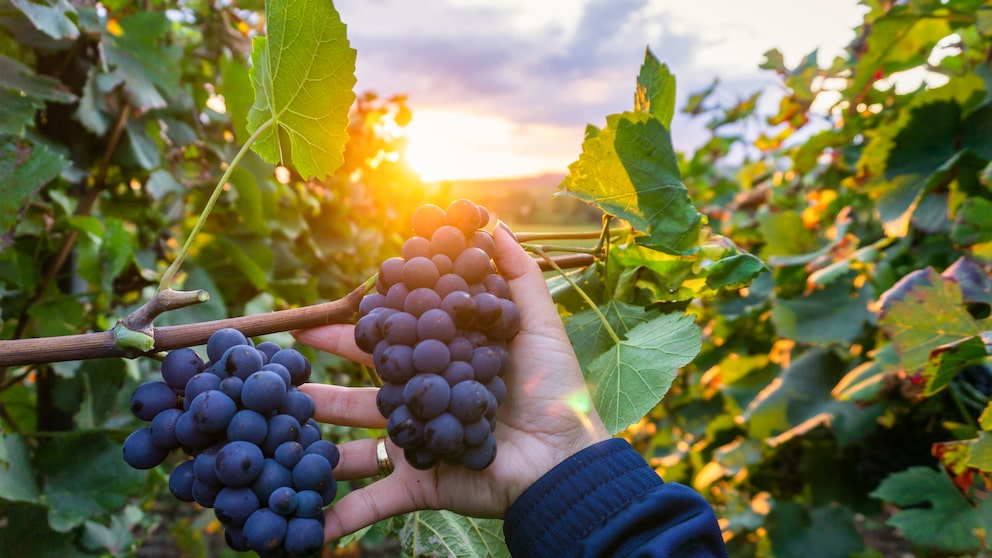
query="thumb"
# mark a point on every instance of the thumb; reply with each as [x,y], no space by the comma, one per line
[528,288]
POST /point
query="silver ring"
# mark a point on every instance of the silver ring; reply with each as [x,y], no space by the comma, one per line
[382,458]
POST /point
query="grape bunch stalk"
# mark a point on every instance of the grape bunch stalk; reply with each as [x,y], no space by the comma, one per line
[256,453]
[437,327]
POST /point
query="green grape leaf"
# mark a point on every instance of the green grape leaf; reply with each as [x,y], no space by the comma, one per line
[303,73]
[794,529]
[51,17]
[630,170]
[632,376]
[655,90]
[871,380]
[443,533]
[832,314]
[938,515]
[25,168]
[85,477]
[590,338]
[981,452]
[947,360]
[972,222]
[143,60]
[16,472]
[923,312]
[22,92]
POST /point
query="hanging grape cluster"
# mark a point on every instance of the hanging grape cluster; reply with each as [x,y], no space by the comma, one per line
[437,328]
[257,457]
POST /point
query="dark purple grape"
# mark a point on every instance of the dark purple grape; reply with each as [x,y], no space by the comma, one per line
[222,340]
[463,214]
[462,308]
[329,492]
[283,500]
[282,371]
[420,272]
[163,429]
[472,265]
[309,504]
[304,537]
[489,310]
[485,363]
[231,387]
[427,395]
[389,397]
[483,241]
[416,247]
[288,453]
[504,358]
[477,458]
[496,285]
[204,494]
[272,476]
[140,452]
[295,362]
[476,432]
[265,530]
[405,430]
[239,463]
[298,405]
[396,297]
[313,472]
[442,263]
[427,218]
[458,371]
[205,467]
[240,361]
[151,398]
[309,433]
[469,400]
[179,366]
[401,328]
[268,348]
[421,300]
[367,333]
[420,458]
[263,391]
[198,384]
[443,434]
[436,324]
[189,435]
[248,426]
[328,449]
[461,348]
[282,428]
[212,411]
[509,323]
[431,356]
[448,240]
[497,387]
[449,283]
[371,302]
[234,505]
[396,364]
[181,481]
[391,271]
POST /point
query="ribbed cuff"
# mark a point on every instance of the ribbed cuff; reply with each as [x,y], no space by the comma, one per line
[575,498]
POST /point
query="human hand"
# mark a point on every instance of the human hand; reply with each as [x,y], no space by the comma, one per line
[546,417]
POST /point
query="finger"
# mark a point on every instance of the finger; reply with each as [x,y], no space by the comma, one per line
[335,338]
[345,406]
[365,506]
[358,459]
[526,281]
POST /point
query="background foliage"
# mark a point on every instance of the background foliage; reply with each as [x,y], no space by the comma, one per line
[833,395]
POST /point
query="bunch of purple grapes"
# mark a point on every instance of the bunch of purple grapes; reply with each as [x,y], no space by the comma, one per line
[437,328]
[257,457]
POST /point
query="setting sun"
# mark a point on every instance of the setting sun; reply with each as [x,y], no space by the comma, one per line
[446,145]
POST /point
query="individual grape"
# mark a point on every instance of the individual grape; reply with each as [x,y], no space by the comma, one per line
[151,398]
[268,348]
[204,494]
[309,433]
[485,363]
[282,428]
[297,404]
[283,500]
[396,364]
[163,429]
[272,476]
[458,371]
[265,530]
[461,348]
[491,408]
[370,302]
[420,300]
[468,401]
[496,285]
[463,214]
[509,323]
[448,240]
[391,271]
[329,492]
[328,449]
[282,371]
[248,426]
[477,458]
[236,538]
[231,387]
[189,435]
[476,432]
[497,387]
[309,504]
[436,324]
[304,537]
[212,411]
[420,458]
[483,216]
[179,366]
[263,391]
[489,310]
[198,384]
[294,361]
[313,472]
[416,247]
[504,359]
[483,241]
[405,430]
[449,283]
[389,397]
[442,263]
[400,328]
[234,505]
[461,307]
[240,361]
[428,218]
[288,453]
[140,452]
[472,265]
[367,333]
[205,467]
[222,340]
[181,481]
[239,463]
[427,395]
[396,297]
[476,288]
[443,434]
[431,356]
[419,272]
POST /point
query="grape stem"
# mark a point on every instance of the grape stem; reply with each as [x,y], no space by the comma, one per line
[606,324]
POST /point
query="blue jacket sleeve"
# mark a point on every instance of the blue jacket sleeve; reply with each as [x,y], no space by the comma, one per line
[607,501]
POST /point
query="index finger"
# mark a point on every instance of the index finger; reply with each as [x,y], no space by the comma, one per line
[334,338]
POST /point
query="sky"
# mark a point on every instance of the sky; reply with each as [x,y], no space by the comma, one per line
[503,89]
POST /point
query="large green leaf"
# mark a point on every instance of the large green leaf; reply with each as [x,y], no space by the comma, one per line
[655,90]
[22,92]
[303,72]
[443,533]
[51,17]
[832,314]
[935,514]
[16,478]
[143,59]
[794,530]
[630,170]
[25,168]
